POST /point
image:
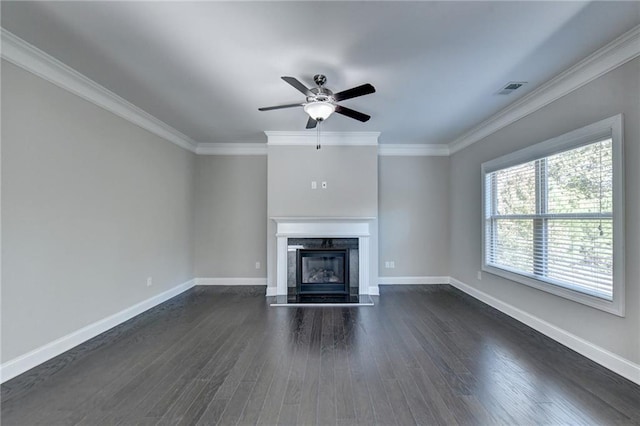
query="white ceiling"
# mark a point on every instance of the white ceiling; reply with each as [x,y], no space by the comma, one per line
[204,68]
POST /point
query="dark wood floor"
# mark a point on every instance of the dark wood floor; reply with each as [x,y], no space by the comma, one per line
[221,355]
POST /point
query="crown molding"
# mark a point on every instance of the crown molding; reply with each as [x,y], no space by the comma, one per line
[231,149]
[618,52]
[396,150]
[326,138]
[34,60]
[413,150]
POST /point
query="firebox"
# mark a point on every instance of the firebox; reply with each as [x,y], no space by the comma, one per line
[322,271]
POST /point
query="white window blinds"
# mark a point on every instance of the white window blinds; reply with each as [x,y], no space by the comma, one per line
[551,219]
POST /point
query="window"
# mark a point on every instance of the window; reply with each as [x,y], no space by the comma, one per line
[553,216]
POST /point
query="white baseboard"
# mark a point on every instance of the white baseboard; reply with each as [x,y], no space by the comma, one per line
[607,359]
[231,281]
[22,363]
[272,291]
[374,290]
[412,280]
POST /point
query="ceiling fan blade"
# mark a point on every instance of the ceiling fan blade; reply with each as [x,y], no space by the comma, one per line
[279,107]
[295,83]
[365,89]
[311,123]
[352,114]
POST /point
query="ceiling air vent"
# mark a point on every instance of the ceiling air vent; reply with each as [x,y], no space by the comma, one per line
[511,87]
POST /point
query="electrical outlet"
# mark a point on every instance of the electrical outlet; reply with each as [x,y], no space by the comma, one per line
[386,264]
[149,282]
[257,265]
[314,184]
[392,264]
[479,275]
[324,185]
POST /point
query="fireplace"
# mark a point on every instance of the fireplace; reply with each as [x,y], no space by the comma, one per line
[322,271]
[294,233]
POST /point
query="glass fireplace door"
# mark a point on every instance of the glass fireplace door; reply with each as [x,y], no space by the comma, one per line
[323,271]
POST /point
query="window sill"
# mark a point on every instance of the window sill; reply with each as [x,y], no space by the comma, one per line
[615,307]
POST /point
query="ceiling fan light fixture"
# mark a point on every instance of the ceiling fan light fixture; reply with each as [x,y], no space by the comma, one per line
[319,110]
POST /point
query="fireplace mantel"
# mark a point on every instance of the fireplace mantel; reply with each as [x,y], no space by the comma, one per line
[322,227]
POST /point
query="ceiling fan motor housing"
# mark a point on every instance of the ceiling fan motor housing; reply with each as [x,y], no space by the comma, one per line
[320,79]
[324,96]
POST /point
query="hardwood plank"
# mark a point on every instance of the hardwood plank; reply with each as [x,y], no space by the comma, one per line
[301,340]
[308,407]
[236,404]
[362,403]
[399,403]
[383,411]
[326,414]
[277,388]
[253,342]
[398,349]
[157,403]
[345,412]
[263,369]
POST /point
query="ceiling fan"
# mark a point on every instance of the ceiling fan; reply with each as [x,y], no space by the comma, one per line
[322,102]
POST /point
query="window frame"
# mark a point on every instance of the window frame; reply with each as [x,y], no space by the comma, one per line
[608,128]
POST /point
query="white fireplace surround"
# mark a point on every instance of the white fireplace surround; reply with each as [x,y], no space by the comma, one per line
[323,227]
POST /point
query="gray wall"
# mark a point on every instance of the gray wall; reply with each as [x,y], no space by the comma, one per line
[351,173]
[614,93]
[231,204]
[231,207]
[92,205]
[414,216]
[231,216]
